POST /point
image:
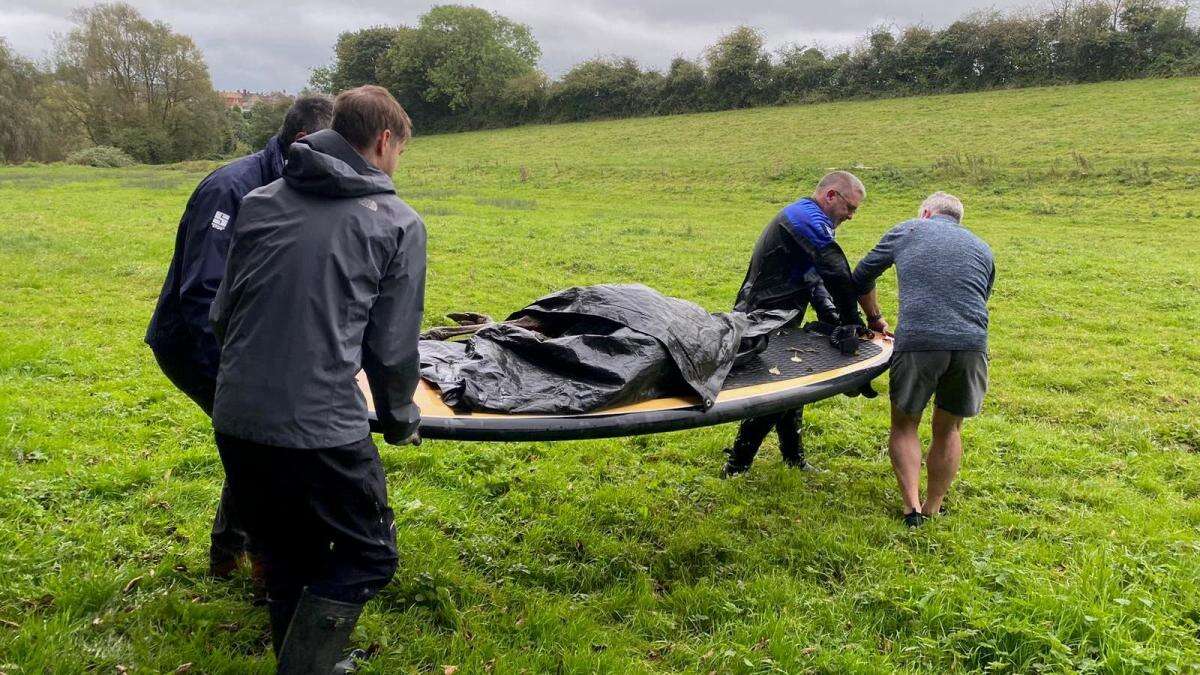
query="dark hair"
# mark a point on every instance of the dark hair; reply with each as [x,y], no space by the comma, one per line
[308,114]
[362,113]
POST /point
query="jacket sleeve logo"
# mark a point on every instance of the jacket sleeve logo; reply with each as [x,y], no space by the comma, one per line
[220,220]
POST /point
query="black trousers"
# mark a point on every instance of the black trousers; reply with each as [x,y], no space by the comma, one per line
[752,432]
[318,518]
[228,539]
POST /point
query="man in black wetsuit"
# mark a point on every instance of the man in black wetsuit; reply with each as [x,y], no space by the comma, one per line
[796,263]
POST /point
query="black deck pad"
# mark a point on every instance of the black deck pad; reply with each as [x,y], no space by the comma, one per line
[814,351]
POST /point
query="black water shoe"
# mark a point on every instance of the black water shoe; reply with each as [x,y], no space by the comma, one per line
[734,468]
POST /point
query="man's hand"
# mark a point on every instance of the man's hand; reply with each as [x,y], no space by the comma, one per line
[879,325]
[409,435]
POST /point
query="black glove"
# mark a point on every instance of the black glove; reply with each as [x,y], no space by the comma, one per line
[845,338]
[405,434]
[820,328]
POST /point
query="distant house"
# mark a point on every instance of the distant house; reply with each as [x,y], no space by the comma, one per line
[245,99]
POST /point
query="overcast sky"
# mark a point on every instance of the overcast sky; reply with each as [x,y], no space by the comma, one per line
[274,44]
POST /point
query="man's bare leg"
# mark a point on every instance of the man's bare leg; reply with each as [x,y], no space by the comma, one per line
[904,447]
[945,456]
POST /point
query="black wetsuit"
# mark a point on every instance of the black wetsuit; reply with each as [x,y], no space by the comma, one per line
[796,263]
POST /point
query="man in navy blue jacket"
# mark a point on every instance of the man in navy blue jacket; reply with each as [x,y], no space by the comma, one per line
[180,333]
[797,263]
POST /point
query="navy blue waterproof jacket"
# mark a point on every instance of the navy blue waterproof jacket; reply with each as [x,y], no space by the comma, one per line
[179,329]
[796,262]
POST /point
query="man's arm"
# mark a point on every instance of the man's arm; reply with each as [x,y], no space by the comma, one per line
[870,306]
[875,263]
[833,268]
[390,355]
[823,305]
[209,225]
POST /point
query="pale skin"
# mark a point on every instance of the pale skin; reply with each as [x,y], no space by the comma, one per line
[840,202]
[904,445]
[384,152]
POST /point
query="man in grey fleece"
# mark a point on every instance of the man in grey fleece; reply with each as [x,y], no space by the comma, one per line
[946,275]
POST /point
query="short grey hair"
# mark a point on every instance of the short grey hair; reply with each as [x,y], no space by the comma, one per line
[841,180]
[942,203]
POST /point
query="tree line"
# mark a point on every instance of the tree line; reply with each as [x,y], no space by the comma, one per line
[119,79]
[463,67]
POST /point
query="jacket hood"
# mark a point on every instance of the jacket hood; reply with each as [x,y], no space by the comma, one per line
[325,163]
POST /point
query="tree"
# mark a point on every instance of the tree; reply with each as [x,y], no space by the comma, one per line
[683,88]
[1160,35]
[264,121]
[522,100]
[598,88]
[25,130]
[456,59]
[804,74]
[135,84]
[356,57]
[739,71]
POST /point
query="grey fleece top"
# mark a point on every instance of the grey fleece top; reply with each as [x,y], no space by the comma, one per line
[946,275]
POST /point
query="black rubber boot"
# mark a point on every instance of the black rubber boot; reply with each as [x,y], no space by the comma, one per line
[733,467]
[317,637]
[750,436]
[222,564]
[790,445]
[281,612]
[350,663]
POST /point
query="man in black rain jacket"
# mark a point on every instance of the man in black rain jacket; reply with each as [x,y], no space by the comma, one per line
[326,276]
[179,333]
[797,262]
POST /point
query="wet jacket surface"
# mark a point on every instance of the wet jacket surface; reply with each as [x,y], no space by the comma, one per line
[796,262]
[326,275]
[179,328]
[946,275]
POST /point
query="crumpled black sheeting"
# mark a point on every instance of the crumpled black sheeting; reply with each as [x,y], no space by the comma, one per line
[601,346]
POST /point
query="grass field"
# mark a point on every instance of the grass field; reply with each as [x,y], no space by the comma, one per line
[1074,541]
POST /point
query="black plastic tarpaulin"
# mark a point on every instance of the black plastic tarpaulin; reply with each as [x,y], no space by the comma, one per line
[595,347]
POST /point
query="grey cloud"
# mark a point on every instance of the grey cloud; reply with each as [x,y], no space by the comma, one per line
[275,44]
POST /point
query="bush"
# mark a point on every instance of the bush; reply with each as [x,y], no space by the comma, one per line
[146,144]
[103,156]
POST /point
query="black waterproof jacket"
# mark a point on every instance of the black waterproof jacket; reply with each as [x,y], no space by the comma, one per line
[326,275]
[179,329]
[797,262]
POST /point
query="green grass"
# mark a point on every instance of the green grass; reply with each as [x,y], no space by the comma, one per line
[1073,543]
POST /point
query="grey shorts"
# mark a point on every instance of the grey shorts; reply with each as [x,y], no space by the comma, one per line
[958,379]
